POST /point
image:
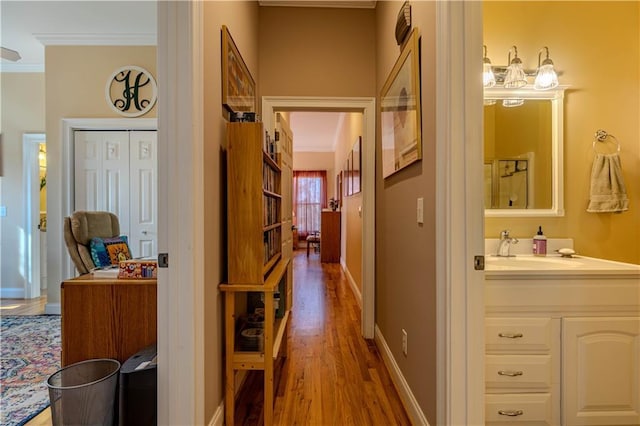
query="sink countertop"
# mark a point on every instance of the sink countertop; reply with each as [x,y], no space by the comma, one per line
[524,266]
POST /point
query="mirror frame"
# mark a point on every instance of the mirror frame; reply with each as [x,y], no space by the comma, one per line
[556,96]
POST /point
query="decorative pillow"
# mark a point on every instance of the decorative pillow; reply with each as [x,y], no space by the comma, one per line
[109,251]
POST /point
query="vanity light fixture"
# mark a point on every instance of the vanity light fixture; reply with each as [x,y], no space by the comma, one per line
[512,102]
[515,77]
[488,78]
[546,78]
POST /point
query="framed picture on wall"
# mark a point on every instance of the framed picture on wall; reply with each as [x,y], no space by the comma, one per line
[339,188]
[400,111]
[357,161]
[238,87]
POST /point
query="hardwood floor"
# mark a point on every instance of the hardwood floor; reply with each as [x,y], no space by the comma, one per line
[332,376]
[23,306]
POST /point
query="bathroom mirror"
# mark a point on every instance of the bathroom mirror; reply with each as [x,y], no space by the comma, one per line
[523,144]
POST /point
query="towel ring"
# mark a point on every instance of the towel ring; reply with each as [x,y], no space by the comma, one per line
[601,136]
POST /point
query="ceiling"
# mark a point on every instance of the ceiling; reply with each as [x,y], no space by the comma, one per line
[27,26]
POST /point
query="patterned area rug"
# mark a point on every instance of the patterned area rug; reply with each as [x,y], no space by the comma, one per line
[30,353]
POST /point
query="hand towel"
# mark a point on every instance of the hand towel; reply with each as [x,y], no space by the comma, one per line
[608,193]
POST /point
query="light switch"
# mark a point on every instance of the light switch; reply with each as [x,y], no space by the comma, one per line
[420,210]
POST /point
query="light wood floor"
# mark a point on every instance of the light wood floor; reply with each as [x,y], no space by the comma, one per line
[332,376]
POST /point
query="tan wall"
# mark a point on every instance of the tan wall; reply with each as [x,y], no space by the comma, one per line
[405,251]
[324,52]
[597,48]
[22,100]
[351,219]
[242,20]
[74,85]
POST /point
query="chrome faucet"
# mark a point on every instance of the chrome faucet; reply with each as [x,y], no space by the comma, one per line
[505,244]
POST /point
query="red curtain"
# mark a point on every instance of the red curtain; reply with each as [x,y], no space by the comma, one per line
[309,198]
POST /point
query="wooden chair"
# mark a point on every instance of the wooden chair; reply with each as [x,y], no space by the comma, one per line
[313,239]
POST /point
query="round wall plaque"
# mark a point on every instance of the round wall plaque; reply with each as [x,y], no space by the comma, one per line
[131,91]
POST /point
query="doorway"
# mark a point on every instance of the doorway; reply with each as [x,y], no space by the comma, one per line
[366,106]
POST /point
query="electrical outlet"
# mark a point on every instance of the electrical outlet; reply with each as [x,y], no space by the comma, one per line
[404,342]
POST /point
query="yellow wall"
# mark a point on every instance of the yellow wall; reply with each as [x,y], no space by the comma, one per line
[22,101]
[596,46]
[74,86]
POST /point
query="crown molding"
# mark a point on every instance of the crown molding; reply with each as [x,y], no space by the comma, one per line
[89,39]
[346,4]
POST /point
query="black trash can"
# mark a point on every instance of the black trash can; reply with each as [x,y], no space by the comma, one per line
[84,393]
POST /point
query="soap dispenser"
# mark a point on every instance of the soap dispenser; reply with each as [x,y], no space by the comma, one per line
[539,243]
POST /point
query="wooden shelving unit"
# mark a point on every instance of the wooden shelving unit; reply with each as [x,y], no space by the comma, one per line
[259,260]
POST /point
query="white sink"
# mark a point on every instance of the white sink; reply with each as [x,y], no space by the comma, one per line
[556,263]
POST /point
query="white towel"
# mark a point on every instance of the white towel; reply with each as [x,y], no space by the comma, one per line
[608,193]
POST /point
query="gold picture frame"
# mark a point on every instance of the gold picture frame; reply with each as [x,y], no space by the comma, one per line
[238,87]
[400,110]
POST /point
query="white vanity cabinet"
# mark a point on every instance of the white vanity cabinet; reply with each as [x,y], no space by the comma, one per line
[601,370]
[562,347]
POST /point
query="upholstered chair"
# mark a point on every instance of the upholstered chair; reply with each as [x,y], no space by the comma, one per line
[80,228]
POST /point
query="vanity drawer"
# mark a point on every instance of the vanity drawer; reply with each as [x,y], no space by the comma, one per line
[532,409]
[504,373]
[518,335]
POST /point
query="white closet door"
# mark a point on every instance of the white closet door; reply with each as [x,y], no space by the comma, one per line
[143,239]
[102,173]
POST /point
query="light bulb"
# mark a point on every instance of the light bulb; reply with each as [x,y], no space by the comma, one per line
[512,102]
[515,77]
[488,78]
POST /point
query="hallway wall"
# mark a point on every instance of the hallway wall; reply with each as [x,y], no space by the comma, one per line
[405,250]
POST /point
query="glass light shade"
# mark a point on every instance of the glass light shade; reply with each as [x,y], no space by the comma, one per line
[488,78]
[515,77]
[546,78]
[512,102]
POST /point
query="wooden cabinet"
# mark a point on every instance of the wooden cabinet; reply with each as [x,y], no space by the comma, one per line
[107,318]
[601,370]
[258,293]
[330,236]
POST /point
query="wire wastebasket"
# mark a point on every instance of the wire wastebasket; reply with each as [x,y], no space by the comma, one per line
[84,393]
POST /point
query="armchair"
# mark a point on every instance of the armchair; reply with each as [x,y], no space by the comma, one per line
[80,228]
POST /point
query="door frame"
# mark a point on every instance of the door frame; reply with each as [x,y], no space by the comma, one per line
[31,190]
[272,104]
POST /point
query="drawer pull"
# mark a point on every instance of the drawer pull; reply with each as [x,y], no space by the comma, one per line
[511,335]
[511,413]
[509,373]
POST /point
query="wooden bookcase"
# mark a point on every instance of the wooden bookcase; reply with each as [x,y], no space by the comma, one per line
[259,261]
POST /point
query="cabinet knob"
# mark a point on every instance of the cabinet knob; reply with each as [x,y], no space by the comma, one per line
[510,373]
[511,335]
[511,413]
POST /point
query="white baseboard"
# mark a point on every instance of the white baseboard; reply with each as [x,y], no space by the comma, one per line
[12,293]
[352,283]
[218,416]
[409,401]
[52,309]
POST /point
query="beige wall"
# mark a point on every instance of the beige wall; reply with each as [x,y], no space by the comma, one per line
[405,251]
[22,99]
[75,80]
[242,20]
[596,46]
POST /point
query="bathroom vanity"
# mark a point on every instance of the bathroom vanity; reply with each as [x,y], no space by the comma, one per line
[562,341]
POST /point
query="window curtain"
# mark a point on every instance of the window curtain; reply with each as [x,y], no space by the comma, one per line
[309,198]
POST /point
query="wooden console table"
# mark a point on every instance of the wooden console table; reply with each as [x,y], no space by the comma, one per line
[107,318]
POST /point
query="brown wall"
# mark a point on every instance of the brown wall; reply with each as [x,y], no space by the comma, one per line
[596,46]
[405,251]
[242,20]
[316,51]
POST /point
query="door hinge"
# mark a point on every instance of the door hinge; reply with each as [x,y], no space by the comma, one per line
[163,260]
[478,262]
